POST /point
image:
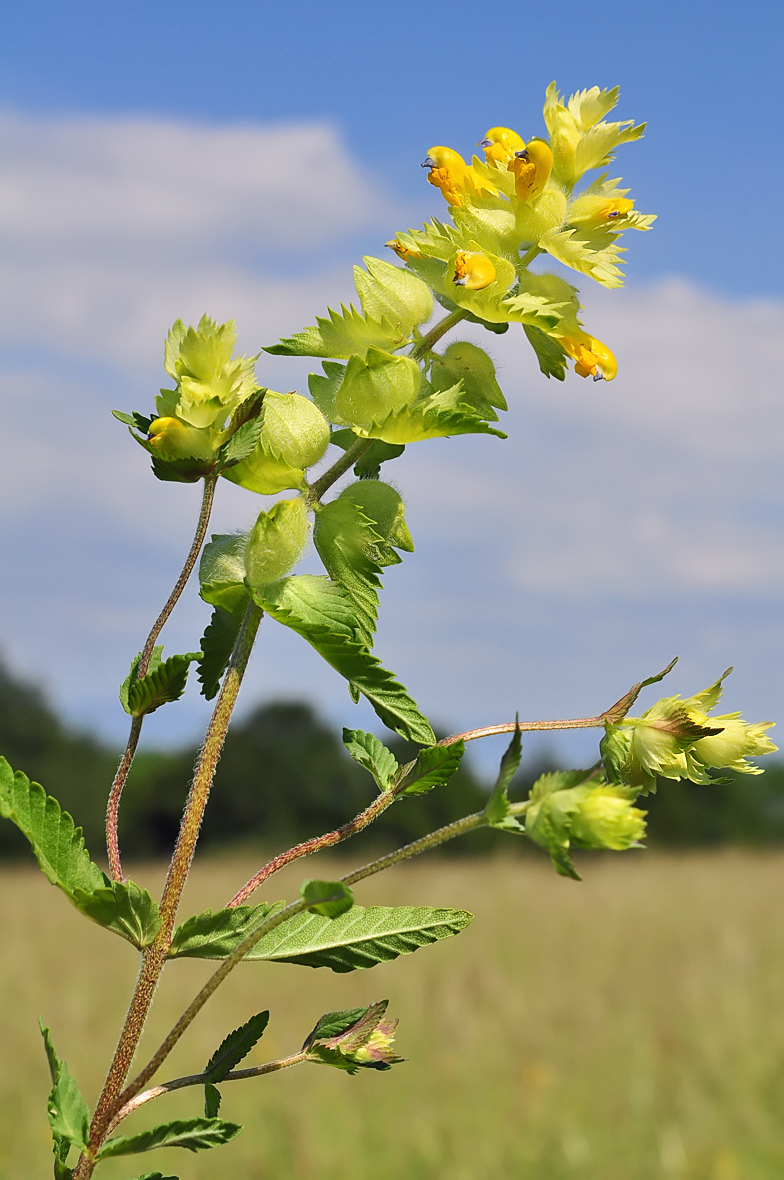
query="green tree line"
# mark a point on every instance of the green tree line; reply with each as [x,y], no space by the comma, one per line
[284,776]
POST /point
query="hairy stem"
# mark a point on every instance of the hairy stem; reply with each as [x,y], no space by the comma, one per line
[113,805]
[316,844]
[530,255]
[525,727]
[340,467]
[467,824]
[200,1079]
[154,957]
[434,335]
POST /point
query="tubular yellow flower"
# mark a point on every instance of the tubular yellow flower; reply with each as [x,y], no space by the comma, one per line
[455,178]
[172,439]
[402,252]
[593,359]
[531,167]
[473,271]
[599,210]
[500,144]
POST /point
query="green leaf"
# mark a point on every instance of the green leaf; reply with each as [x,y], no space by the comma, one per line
[350,546]
[334,642]
[212,1101]
[166,683]
[215,935]
[332,1024]
[136,421]
[438,415]
[244,429]
[235,1046]
[156,1176]
[368,751]
[560,780]
[69,1117]
[551,356]
[497,809]
[391,293]
[328,899]
[359,938]
[192,1134]
[433,767]
[222,571]
[341,336]
[125,687]
[364,1044]
[217,644]
[618,711]
[123,907]
[368,465]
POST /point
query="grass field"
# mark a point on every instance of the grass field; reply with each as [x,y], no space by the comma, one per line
[624,1028]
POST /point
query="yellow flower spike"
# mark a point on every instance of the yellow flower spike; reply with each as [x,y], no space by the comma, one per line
[532,167]
[473,271]
[402,252]
[593,359]
[500,144]
[455,178]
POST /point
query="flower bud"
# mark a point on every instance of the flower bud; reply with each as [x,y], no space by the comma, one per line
[210,384]
[169,438]
[294,436]
[276,542]
[605,818]
[353,1039]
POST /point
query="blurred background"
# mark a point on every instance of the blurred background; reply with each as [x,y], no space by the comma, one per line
[165,160]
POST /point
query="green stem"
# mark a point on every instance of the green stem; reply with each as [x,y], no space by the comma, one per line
[530,255]
[471,735]
[201,1079]
[435,334]
[348,459]
[154,957]
[113,805]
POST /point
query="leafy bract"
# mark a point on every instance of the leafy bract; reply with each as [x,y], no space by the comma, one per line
[392,293]
[215,935]
[222,571]
[358,393]
[550,354]
[332,1024]
[497,809]
[359,938]
[436,415]
[69,1117]
[155,663]
[368,465]
[433,767]
[322,613]
[353,553]
[121,906]
[235,1046]
[341,336]
[135,420]
[192,1134]
[370,752]
[594,254]
[217,644]
[163,684]
[329,899]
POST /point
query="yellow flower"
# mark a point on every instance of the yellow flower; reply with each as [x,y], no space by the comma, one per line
[473,271]
[500,144]
[531,168]
[455,178]
[593,359]
[402,251]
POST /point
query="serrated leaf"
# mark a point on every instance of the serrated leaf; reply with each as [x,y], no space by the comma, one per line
[241,444]
[341,336]
[334,643]
[332,1024]
[560,780]
[348,544]
[154,664]
[439,415]
[69,1117]
[212,1101]
[370,752]
[594,254]
[368,465]
[497,809]
[235,1046]
[222,571]
[123,907]
[328,899]
[433,767]
[551,356]
[359,938]
[217,644]
[135,420]
[161,686]
[215,935]
[192,1134]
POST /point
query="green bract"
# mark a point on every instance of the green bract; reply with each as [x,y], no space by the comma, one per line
[294,435]
[276,542]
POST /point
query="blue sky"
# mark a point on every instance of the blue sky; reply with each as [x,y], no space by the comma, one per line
[164,159]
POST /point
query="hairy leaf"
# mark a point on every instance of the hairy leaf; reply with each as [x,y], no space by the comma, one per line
[125,687]
[69,1117]
[368,751]
[368,465]
[348,543]
[215,935]
[551,356]
[433,767]
[166,683]
[439,415]
[235,1046]
[497,809]
[329,899]
[222,571]
[192,1134]
[359,938]
[341,336]
[333,640]
[125,908]
[217,644]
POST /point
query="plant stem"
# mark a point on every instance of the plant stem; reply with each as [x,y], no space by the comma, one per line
[526,727]
[530,255]
[435,333]
[340,467]
[467,824]
[316,844]
[113,805]
[154,957]
[200,1079]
